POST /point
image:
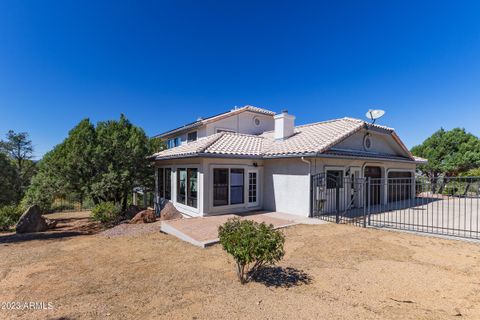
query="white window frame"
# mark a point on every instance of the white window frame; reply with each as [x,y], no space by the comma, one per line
[214,210]
[186,167]
[229,168]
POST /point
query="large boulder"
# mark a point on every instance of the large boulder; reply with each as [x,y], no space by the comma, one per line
[31,221]
[131,211]
[145,216]
[169,212]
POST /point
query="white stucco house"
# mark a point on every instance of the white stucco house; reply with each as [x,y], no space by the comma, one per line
[250,159]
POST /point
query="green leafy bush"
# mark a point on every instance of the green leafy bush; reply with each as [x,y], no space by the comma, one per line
[106,212]
[252,245]
[9,216]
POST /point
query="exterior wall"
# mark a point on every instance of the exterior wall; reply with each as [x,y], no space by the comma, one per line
[381,143]
[287,186]
[283,184]
[242,123]
[205,184]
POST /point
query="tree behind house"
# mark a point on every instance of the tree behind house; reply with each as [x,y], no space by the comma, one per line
[103,163]
[449,153]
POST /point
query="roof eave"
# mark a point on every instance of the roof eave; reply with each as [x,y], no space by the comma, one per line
[179,130]
[406,160]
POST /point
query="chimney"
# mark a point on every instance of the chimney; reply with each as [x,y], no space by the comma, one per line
[284,125]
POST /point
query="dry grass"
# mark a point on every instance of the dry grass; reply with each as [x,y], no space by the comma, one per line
[329,271]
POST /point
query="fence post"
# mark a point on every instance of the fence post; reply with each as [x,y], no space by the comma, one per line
[368,199]
[363,192]
[337,199]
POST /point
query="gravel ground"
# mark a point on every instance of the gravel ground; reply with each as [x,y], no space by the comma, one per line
[329,272]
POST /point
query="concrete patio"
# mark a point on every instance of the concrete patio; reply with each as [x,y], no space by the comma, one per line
[203,231]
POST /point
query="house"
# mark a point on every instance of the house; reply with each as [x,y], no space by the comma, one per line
[250,159]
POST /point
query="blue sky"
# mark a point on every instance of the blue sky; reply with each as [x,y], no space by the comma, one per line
[166,63]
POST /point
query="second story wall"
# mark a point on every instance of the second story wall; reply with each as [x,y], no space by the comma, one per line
[245,122]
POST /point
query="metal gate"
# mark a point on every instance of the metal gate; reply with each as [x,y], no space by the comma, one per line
[339,199]
[446,206]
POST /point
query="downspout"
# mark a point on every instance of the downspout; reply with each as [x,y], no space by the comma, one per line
[309,164]
[310,184]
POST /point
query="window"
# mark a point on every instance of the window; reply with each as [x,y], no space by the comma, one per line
[182,186]
[164,183]
[168,183]
[187,186]
[252,187]
[367,142]
[220,187]
[192,136]
[175,142]
[228,186]
[236,186]
[192,187]
[160,182]
[334,177]
[256,121]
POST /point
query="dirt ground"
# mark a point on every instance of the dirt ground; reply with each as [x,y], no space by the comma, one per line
[329,272]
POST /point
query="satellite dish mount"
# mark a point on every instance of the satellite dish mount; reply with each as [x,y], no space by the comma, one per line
[374,114]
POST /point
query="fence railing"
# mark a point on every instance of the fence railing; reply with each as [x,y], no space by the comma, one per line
[447,206]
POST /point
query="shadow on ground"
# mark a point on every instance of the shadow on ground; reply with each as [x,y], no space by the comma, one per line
[66,228]
[280,277]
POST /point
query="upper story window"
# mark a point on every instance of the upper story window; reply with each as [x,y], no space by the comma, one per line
[192,136]
[172,143]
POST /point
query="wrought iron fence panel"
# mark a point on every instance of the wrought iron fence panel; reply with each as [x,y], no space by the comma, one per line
[446,205]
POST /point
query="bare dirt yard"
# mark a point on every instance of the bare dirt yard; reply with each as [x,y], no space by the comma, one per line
[329,272]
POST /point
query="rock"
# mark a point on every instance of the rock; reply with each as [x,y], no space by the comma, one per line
[51,224]
[31,221]
[145,216]
[131,211]
[169,212]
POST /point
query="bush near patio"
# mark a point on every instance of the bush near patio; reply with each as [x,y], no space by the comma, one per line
[106,212]
[9,216]
[252,245]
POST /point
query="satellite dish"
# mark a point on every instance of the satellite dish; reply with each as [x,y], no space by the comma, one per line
[374,114]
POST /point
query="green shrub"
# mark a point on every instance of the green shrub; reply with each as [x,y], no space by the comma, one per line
[252,245]
[9,216]
[106,212]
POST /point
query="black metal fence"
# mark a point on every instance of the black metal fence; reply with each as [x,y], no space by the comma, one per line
[70,203]
[446,206]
